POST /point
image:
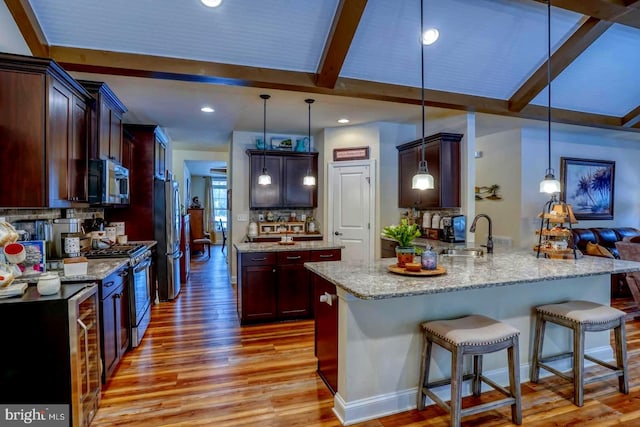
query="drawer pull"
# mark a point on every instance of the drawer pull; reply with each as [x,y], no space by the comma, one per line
[259,259]
[326,256]
[294,257]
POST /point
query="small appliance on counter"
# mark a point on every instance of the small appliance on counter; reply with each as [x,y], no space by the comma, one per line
[454,229]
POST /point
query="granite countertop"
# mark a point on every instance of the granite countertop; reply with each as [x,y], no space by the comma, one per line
[97,269]
[311,245]
[374,281]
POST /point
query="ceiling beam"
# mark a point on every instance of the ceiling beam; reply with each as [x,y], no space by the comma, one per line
[625,12]
[632,119]
[575,45]
[344,26]
[29,27]
[134,65]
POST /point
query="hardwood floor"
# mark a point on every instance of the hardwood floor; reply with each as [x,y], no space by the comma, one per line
[197,367]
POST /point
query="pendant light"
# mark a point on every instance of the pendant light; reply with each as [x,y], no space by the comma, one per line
[309,179]
[422,180]
[549,184]
[265,178]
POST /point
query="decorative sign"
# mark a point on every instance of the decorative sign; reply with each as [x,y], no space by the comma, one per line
[355,153]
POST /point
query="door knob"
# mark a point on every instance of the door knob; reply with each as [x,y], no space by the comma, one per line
[337,233]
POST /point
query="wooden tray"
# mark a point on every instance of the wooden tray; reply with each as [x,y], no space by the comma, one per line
[400,270]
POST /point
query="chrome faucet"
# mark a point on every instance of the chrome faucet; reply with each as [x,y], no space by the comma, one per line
[489,244]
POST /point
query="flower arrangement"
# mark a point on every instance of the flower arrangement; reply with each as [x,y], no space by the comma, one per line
[404,233]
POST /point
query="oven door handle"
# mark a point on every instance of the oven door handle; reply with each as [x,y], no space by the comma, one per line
[142,266]
[176,255]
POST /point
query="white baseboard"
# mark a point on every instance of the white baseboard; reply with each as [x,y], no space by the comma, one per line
[404,400]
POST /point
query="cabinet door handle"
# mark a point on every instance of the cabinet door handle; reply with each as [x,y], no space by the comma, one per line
[116,295]
[108,284]
[258,259]
[123,273]
[294,257]
[327,298]
[326,255]
[86,352]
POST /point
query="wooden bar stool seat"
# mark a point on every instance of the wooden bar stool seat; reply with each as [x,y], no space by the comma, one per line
[206,242]
[474,335]
[581,317]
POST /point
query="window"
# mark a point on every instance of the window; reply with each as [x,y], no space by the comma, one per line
[219,188]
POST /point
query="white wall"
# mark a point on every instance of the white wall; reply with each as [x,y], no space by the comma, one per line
[500,164]
[11,40]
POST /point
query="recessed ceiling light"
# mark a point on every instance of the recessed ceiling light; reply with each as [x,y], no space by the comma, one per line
[430,36]
[211,3]
[343,121]
[207,110]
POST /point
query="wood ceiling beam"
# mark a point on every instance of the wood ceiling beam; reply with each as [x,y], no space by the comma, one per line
[625,12]
[570,50]
[133,65]
[343,29]
[28,25]
[632,119]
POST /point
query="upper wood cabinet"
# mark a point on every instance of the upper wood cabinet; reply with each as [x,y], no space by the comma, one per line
[106,122]
[286,168]
[442,153]
[44,134]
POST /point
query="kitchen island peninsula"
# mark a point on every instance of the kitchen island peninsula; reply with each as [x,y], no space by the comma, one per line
[273,284]
[377,314]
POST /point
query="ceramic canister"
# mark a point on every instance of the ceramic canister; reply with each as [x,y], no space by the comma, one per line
[119,228]
[111,233]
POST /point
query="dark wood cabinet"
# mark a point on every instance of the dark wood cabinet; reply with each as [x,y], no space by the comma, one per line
[44,130]
[326,333]
[275,285]
[106,122]
[294,289]
[257,287]
[185,247]
[139,213]
[442,153]
[114,320]
[286,169]
[388,248]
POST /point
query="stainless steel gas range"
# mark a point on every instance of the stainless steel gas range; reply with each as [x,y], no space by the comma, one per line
[140,284]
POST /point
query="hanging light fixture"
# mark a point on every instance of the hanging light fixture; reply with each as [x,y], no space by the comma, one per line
[309,179]
[264,178]
[422,180]
[549,184]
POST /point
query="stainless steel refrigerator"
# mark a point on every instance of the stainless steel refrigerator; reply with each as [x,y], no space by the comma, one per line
[166,218]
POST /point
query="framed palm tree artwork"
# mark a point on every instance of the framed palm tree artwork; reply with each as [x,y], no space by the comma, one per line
[587,185]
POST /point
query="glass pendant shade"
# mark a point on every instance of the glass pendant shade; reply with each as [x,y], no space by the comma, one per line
[549,184]
[422,180]
[309,180]
[265,178]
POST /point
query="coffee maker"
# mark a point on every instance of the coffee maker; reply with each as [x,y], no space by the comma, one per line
[454,229]
[62,227]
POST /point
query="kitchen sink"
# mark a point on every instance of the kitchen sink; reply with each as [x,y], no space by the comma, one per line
[466,252]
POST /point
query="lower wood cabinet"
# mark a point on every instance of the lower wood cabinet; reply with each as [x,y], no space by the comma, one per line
[275,285]
[326,335]
[114,320]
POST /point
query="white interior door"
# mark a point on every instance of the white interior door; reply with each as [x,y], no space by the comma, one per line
[351,207]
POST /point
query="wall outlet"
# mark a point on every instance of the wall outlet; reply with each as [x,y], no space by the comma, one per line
[243,217]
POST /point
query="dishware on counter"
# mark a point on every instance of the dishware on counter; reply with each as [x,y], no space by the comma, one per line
[111,233]
[75,266]
[429,259]
[15,253]
[122,239]
[6,275]
[48,283]
[120,227]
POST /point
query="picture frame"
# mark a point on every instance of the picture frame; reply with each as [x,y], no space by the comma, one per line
[36,260]
[281,143]
[588,186]
[353,153]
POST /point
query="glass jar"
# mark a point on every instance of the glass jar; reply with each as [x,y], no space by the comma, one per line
[429,259]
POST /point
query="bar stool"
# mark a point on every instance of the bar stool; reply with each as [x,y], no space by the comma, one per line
[474,335]
[581,317]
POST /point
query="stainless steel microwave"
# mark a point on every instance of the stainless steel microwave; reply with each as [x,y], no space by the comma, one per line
[108,183]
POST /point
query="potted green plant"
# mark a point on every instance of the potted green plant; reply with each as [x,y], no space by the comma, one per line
[404,234]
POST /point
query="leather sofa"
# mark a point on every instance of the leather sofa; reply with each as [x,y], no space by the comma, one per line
[606,237]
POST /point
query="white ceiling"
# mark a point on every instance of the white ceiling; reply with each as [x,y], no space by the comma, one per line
[488,48]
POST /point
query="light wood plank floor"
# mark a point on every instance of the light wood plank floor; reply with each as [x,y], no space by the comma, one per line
[197,367]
